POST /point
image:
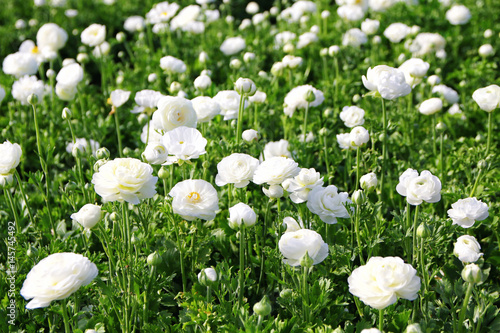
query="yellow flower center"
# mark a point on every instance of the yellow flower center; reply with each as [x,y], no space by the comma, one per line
[193,197]
[164,14]
[181,142]
[34,50]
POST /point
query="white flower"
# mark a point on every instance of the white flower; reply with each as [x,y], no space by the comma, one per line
[184,143]
[351,12]
[297,98]
[56,277]
[172,65]
[487,98]
[250,135]
[25,86]
[430,106]
[414,70]
[467,249]
[417,189]
[294,245]
[425,43]
[119,97]
[94,34]
[186,18]
[10,156]
[237,169]
[273,192]
[275,170]
[344,140]
[388,81]
[370,27]
[194,198]
[206,108]
[368,181]
[328,204]
[276,148]
[174,112]
[125,179]
[371,330]
[51,36]
[245,87]
[381,5]
[162,12]
[283,38]
[147,100]
[258,98]
[229,101]
[88,216]
[458,15]
[66,93]
[306,38]
[354,37]
[134,23]
[241,214]
[382,281]
[86,146]
[70,75]
[155,153]
[2,94]
[486,50]
[465,212]
[209,274]
[300,186]
[232,45]
[352,116]
[396,32]
[202,82]
[449,94]
[356,138]
[20,64]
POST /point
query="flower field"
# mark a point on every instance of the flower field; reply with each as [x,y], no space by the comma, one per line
[234,166]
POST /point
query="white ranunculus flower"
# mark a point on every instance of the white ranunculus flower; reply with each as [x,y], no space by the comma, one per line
[88,216]
[294,245]
[237,169]
[431,106]
[418,188]
[467,249]
[344,140]
[245,87]
[51,36]
[291,61]
[396,32]
[174,112]
[369,181]
[359,136]
[70,75]
[20,64]
[258,98]
[10,156]
[351,12]
[465,212]
[155,153]
[277,148]
[388,81]
[187,16]
[147,100]
[486,50]
[371,330]
[487,98]
[229,101]
[134,23]
[25,86]
[66,93]
[119,97]
[300,186]
[207,275]
[172,65]
[93,35]
[275,170]
[328,204]
[354,37]
[458,15]
[184,143]
[195,198]
[369,26]
[149,134]
[250,135]
[232,45]
[87,146]
[449,94]
[382,281]
[273,192]
[352,116]
[56,277]
[381,5]
[241,214]
[206,108]
[299,97]
[306,39]
[414,70]
[162,12]
[202,82]
[425,43]
[125,179]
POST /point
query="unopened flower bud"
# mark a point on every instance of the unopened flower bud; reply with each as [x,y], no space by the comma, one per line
[472,273]
[358,197]
[250,135]
[306,261]
[441,127]
[120,37]
[82,58]
[413,328]
[32,251]
[98,164]
[245,87]
[32,99]
[286,293]
[6,181]
[163,173]
[50,73]
[114,217]
[263,308]
[70,186]
[235,64]
[482,164]
[66,113]
[154,259]
[102,153]
[207,276]
[310,97]
[423,230]
[175,87]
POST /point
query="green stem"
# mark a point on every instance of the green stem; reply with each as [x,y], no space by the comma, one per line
[241,277]
[325,150]
[381,320]
[305,295]
[12,207]
[476,183]
[181,255]
[414,244]
[384,150]
[490,127]
[434,143]
[461,317]
[357,166]
[240,120]
[304,129]
[32,220]
[441,158]
[358,239]
[65,317]
[118,134]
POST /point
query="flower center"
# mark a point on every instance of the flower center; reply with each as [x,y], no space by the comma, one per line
[34,50]
[193,197]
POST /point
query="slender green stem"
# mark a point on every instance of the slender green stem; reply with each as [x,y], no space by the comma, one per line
[241,277]
[414,244]
[304,129]
[434,141]
[357,166]
[358,239]
[441,158]
[305,294]
[65,317]
[381,320]
[407,248]
[32,220]
[461,317]
[262,255]
[12,207]
[325,150]
[490,127]
[384,150]
[118,134]
[476,183]
[181,254]
[240,120]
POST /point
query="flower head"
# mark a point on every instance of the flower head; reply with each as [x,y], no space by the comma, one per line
[184,143]
[328,204]
[389,82]
[174,112]
[294,245]
[88,216]
[194,198]
[241,214]
[465,212]
[10,156]
[467,249]
[418,188]
[237,169]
